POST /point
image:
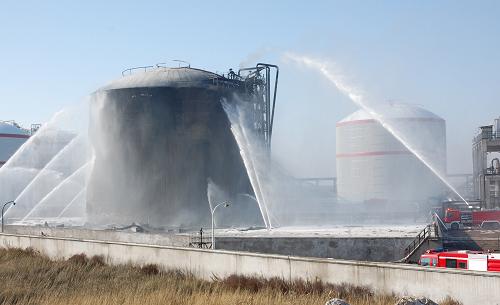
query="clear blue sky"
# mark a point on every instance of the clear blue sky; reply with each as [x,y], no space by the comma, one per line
[443,55]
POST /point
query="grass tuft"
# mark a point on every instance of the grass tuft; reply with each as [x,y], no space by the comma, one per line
[150,269]
[449,301]
[97,261]
[79,259]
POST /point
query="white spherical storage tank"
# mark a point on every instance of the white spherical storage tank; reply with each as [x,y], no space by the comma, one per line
[374,166]
[11,138]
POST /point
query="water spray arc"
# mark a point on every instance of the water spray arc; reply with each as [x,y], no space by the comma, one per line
[236,128]
[358,99]
[59,186]
[46,168]
[37,166]
[250,155]
[19,153]
[72,202]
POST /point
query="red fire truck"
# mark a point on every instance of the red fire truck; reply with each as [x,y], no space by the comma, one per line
[455,219]
[465,259]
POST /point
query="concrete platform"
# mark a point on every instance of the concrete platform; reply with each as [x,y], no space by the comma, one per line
[383,243]
[364,243]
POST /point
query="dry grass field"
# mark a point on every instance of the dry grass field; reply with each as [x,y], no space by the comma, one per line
[27,277]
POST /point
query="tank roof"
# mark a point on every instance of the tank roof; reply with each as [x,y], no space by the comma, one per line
[165,77]
[12,129]
[393,111]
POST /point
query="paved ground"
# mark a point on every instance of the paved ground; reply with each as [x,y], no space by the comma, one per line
[474,239]
[330,231]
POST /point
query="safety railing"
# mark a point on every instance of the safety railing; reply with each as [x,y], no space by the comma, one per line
[486,135]
[200,240]
[180,64]
[429,231]
[131,70]
[491,171]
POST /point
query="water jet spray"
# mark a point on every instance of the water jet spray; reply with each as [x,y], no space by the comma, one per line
[354,96]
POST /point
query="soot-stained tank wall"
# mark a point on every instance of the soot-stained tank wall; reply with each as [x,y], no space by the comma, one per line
[155,150]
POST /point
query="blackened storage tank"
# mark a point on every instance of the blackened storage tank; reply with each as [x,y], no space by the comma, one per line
[159,136]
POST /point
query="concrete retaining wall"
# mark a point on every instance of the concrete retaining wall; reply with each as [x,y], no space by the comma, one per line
[469,287]
[375,249]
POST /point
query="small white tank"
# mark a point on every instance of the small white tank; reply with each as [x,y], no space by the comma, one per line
[11,138]
[372,165]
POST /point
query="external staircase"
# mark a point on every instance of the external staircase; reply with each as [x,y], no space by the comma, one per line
[429,236]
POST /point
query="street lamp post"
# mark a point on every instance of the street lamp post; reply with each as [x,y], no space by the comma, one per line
[5,204]
[226,204]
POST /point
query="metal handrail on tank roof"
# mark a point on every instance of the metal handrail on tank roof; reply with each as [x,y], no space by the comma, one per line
[221,81]
[129,70]
[164,64]
[11,122]
[16,125]
[179,61]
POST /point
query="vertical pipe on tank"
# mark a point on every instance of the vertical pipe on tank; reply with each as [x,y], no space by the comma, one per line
[268,105]
[495,170]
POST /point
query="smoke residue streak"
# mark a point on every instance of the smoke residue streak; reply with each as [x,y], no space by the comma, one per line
[324,68]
